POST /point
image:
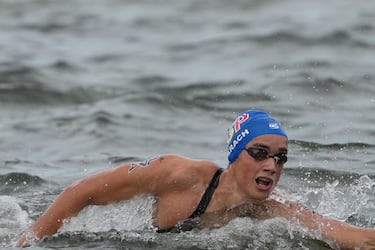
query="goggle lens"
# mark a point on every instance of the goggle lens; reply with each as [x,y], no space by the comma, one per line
[260,154]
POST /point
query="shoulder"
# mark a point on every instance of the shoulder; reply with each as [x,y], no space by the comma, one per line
[181,172]
[168,167]
[180,165]
[175,163]
[160,164]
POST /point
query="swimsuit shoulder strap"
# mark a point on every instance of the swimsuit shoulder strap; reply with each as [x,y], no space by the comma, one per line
[206,198]
[203,204]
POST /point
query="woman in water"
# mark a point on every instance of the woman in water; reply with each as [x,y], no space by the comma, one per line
[186,188]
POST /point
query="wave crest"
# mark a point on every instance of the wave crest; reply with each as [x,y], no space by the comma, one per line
[17,182]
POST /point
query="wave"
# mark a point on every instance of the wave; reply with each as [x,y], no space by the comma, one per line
[345,38]
[345,160]
[20,84]
[305,81]
[334,37]
[322,176]
[19,94]
[18,182]
[223,96]
[335,146]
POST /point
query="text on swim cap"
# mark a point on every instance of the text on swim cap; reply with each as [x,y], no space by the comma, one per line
[274,125]
[237,140]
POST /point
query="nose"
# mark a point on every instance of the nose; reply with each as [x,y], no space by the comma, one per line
[270,165]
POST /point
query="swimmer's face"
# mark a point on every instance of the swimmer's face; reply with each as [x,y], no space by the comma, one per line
[260,167]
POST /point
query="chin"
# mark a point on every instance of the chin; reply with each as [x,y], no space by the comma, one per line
[260,196]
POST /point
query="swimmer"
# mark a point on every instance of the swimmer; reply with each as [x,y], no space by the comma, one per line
[199,190]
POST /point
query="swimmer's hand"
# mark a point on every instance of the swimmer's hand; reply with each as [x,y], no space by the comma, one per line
[22,241]
[27,239]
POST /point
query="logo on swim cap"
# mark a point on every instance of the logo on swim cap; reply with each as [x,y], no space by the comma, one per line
[247,126]
[236,126]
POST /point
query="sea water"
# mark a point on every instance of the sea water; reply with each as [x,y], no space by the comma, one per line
[86,85]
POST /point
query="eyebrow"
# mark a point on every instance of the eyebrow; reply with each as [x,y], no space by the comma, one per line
[260,145]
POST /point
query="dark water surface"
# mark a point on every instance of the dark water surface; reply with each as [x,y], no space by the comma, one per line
[86,85]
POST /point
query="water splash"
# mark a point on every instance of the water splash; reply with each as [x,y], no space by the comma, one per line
[129,224]
[241,233]
[13,220]
[341,202]
[131,215]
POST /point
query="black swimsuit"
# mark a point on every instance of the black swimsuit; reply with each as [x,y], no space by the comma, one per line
[202,206]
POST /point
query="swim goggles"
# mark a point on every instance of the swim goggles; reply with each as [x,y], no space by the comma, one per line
[260,154]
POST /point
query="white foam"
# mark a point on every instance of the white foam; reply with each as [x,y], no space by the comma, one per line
[134,214]
[340,202]
[13,220]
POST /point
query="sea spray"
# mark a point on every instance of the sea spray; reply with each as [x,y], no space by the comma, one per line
[13,220]
[134,214]
[340,201]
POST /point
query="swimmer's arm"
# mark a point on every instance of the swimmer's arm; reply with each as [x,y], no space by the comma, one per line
[113,185]
[346,236]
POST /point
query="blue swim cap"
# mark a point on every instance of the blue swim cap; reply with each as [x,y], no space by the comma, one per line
[247,126]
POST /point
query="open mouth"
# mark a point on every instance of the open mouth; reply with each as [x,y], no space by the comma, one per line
[264,183]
